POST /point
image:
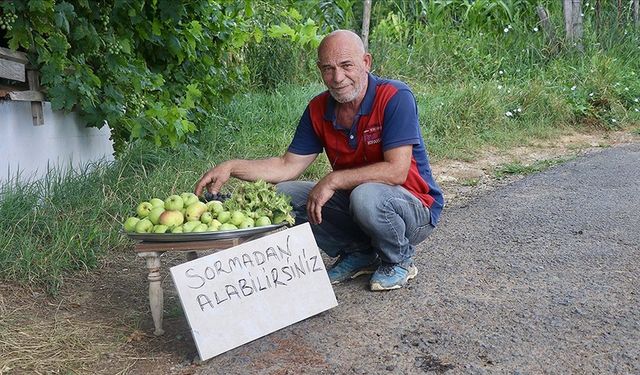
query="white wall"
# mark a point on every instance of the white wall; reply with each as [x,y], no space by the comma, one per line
[62,141]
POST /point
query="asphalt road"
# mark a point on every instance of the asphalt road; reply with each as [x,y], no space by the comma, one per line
[539,276]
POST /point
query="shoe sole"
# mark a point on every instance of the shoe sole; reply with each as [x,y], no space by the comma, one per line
[351,277]
[376,287]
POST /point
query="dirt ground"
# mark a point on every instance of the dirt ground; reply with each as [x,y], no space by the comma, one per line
[100,322]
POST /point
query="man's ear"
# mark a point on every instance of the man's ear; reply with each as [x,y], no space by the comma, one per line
[367,61]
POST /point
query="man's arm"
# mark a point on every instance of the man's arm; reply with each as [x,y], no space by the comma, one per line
[393,170]
[274,170]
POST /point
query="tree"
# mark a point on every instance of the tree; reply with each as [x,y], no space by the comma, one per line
[366,19]
[573,22]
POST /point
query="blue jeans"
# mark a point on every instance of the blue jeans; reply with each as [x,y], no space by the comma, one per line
[373,217]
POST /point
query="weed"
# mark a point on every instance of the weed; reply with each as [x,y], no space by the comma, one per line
[519,168]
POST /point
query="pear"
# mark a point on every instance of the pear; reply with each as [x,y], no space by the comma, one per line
[171,218]
[130,224]
[194,211]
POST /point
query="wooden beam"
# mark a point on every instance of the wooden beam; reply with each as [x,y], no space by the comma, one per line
[12,70]
[16,56]
[36,106]
[26,96]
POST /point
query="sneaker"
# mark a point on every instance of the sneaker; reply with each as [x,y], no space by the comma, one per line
[352,265]
[393,276]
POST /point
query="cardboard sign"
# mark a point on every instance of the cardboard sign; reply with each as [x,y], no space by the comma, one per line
[240,294]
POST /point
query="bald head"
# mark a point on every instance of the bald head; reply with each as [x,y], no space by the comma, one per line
[344,65]
[341,39]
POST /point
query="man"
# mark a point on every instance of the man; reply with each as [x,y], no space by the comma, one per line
[380,199]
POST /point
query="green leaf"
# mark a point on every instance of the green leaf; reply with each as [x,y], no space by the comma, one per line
[278,31]
[156,27]
[125,45]
[62,22]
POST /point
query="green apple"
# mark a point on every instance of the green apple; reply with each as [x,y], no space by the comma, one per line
[194,211]
[154,214]
[213,228]
[206,217]
[236,218]
[156,202]
[176,229]
[189,226]
[246,223]
[200,228]
[174,203]
[130,224]
[143,209]
[215,222]
[224,216]
[189,199]
[227,226]
[144,226]
[159,228]
[262,221]
[215,207]
[171,218]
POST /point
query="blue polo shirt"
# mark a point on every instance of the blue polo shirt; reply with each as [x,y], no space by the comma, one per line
[387,118]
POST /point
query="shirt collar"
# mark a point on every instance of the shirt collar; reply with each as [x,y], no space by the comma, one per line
[365,106]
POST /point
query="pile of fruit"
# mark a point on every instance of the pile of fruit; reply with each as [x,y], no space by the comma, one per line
[252,204]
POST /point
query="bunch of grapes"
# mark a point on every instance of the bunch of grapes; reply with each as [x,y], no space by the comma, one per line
[208,197]
[104,19]
[7,19]
[136,102]
[114,48]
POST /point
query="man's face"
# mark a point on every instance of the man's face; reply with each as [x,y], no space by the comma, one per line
[344,70]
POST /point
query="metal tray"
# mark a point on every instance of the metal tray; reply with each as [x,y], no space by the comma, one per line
[203,236]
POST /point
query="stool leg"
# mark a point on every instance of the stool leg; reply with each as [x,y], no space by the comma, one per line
[156,297]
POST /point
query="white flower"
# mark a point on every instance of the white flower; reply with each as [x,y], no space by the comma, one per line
[573,88]
[637,110]
[499,87]
[508,26]
[509,91]
[591,94]
[506,30]
[614,120]
[636,100]
[626,89]
[581,14]
[535,29]
[500,72]
[508,114]
[519,110]
[517,70]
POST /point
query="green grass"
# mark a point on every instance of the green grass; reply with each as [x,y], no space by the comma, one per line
[473,91]
[519,168]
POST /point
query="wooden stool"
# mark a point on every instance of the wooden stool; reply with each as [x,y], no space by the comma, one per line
[151,251]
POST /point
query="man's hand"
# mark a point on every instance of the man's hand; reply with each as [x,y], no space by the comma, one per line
[318,196]
[213,179]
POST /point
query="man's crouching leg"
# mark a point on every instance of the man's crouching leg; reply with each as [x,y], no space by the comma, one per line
[396,221]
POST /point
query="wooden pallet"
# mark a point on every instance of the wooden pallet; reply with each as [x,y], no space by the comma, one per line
[15,66]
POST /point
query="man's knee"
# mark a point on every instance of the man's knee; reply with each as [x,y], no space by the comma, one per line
[367,199]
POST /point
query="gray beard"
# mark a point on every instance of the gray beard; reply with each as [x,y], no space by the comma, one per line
[347,98]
